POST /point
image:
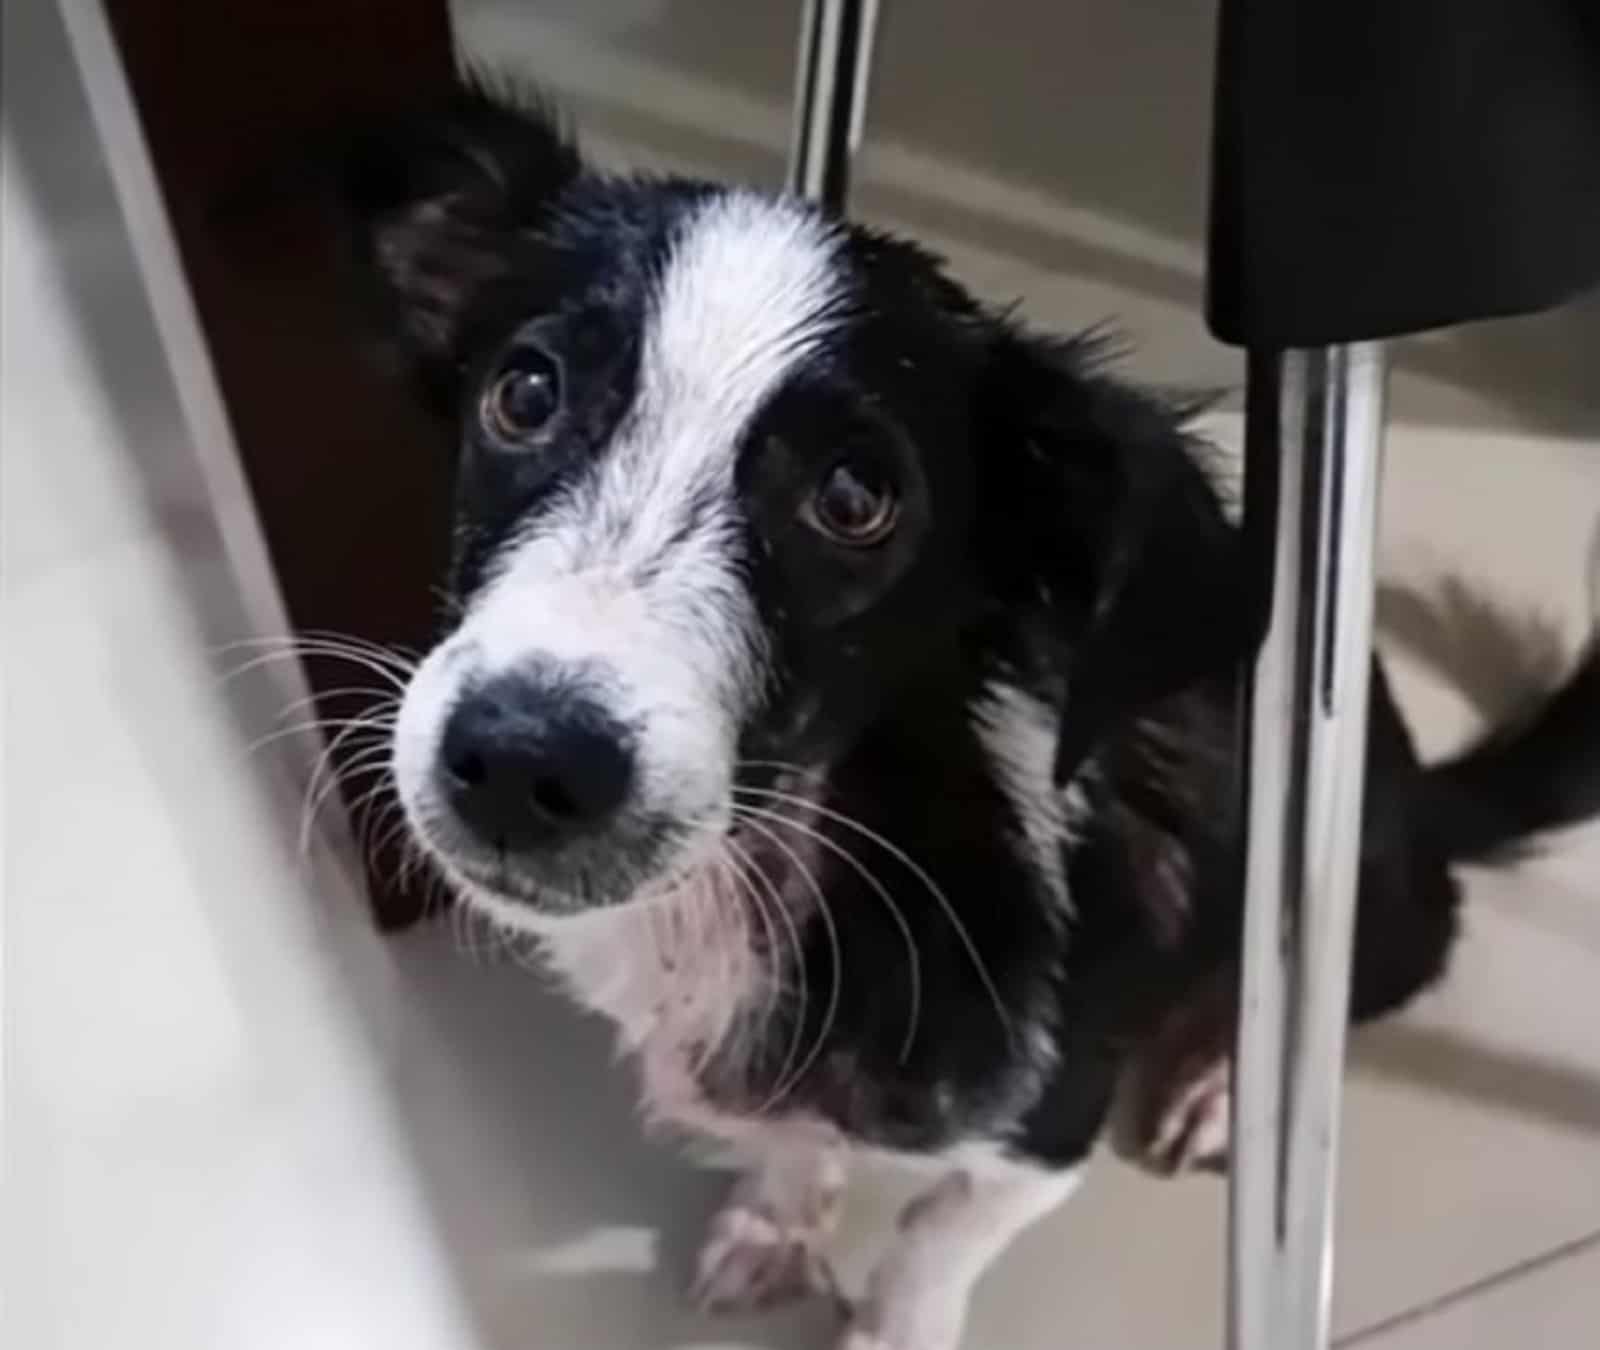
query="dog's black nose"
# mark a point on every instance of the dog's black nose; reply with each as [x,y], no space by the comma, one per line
[526,764]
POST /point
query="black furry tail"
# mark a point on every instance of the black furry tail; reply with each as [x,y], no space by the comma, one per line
[1536,775]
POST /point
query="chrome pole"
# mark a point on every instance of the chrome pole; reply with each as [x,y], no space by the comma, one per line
[1313,445]
[837,38]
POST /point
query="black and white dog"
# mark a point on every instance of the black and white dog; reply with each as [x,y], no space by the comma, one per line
[783,569]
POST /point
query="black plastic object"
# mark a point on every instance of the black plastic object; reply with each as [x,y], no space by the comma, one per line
[1387,166]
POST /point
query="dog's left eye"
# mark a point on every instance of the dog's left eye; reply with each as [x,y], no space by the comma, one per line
[524,397]
[855,503]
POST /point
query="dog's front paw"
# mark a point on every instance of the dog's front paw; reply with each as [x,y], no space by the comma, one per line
[750,1262]
[863,1338]
[856,1339]
[1194,1130]
[933,1324]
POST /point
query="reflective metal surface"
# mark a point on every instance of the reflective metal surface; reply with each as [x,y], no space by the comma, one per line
[835,66]
[1313,446]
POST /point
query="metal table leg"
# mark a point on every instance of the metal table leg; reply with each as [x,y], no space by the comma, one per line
[1314,432]
[837,38]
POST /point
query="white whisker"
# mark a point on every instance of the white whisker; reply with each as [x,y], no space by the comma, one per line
[382,820]
[916,869]
[322,724]
[371,798]
[319,637]
[728,868]
[895,912]
[396,652]
[383,700]
[391,669]
[787,1084]
[803,995]
[786,765]
[391,829]
[347,776]
[316,792]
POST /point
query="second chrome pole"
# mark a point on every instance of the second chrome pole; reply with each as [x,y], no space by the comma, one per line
[1314,431]
[837,38]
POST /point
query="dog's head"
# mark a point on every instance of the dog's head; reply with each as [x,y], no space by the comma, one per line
[737,481]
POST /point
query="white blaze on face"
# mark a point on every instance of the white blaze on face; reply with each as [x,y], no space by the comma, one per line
[631,577]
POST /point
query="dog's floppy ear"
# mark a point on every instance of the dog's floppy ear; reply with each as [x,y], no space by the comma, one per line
[442,202]
[1109,534]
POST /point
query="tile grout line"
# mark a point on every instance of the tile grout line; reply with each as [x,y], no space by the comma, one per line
[1554,1256]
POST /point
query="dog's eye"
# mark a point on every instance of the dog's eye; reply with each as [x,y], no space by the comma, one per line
[524,396]
[854,503]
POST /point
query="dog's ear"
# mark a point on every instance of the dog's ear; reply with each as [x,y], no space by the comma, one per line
[442,204]
[1105,531]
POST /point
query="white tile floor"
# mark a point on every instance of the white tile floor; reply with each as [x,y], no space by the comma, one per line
[235,1118]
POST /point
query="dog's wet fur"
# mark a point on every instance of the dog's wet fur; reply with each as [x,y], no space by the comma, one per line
[825,877]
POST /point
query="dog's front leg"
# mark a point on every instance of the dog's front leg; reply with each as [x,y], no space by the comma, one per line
[766,1244]
[917,1298]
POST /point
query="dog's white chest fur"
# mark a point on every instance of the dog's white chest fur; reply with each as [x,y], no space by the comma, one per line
[681,978]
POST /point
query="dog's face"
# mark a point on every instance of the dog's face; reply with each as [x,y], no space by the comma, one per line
[709,515]
[731,485]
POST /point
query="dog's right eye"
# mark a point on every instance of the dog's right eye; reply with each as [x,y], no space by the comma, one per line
[855,504]
[524,398]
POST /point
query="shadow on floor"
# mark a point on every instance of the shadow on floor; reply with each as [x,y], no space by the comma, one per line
[1498,661]
[1443,1061]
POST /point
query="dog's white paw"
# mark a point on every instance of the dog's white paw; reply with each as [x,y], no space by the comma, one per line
[752,1262]
[1195,1129]
[864,1338]
[929,1324]
[855,1339]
